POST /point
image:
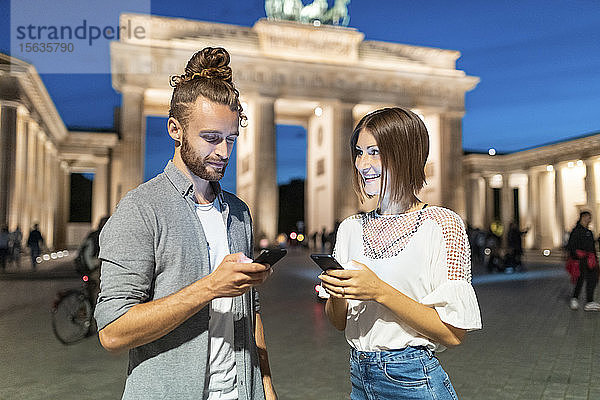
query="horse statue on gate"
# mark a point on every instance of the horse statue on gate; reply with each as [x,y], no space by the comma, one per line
[318,10]
[283,9]
[337,13]
[313,11]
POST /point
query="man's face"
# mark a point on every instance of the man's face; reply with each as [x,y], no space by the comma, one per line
[208,140]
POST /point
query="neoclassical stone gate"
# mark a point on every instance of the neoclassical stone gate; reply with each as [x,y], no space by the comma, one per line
[324,78]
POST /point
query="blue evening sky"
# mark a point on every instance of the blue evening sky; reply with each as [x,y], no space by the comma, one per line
[538,60]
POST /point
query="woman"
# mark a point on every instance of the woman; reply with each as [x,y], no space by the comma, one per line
[406,291]
[583,262]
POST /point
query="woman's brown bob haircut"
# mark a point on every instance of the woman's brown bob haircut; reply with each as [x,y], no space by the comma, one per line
[403,147]
[207,74]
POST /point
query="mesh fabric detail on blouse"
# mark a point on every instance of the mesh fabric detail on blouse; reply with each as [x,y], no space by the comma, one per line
[385,236]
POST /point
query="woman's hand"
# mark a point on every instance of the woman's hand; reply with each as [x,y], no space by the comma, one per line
[355,284]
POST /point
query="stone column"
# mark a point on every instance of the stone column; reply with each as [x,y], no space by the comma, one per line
[40,192]
[8,138]
[475,211]
[559,206]
[344,199]
[590,193]
[49,193]
[257,167]
[115,191]
[267,193]
[100,191]
[133,138]
[451,159]
[489,203]
[473,201]
[62,210]
[506,203]
[469,203]
[30,192]
[533,213]
[20,193]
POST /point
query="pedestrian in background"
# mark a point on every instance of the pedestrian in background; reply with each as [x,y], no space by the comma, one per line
[16,246]
[35,241]
[4,247]
[324,240]
[583,262]
[514,239]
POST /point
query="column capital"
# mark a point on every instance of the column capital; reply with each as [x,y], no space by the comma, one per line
[451,114]
[10,103]
[536,169]
[340,104]
[132,89]
[101,160]
[258,98]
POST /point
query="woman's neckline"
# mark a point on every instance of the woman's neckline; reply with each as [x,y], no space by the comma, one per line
[425,206]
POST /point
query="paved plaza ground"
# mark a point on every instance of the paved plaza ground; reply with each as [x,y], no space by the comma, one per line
[532,346]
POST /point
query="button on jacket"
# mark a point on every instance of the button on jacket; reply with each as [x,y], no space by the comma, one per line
[153,246]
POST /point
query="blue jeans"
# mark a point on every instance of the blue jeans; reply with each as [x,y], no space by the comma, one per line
[410,373]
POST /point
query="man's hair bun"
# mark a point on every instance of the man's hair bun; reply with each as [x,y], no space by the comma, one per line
[209,75]
[210,62]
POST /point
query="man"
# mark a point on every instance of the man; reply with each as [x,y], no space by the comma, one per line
[177,283]
[4,247]
[35,241]
[16,239]
[582,249]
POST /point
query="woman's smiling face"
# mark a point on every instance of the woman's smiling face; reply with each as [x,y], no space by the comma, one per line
[368,162]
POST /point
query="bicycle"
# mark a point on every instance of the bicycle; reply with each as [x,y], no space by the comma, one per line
[73,309]
[73,313]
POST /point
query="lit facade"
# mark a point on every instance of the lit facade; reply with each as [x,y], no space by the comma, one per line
[37,156]
[543,188]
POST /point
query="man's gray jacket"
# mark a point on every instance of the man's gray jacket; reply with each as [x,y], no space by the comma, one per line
[153,246]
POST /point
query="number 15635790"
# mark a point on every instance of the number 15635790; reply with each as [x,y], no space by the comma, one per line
[47,47]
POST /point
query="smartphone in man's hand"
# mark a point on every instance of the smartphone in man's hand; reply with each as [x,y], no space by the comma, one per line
[270,256]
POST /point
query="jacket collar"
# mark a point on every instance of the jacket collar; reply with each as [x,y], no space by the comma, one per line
[184,186]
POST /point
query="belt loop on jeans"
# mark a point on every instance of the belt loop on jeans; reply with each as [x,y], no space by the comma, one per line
[430,352]
[379,362]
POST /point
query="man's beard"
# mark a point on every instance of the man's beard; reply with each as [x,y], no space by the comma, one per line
[198,165]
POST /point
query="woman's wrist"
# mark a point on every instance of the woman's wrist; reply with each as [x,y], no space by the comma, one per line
[385,294]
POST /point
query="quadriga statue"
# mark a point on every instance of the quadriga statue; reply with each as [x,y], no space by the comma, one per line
[293,10]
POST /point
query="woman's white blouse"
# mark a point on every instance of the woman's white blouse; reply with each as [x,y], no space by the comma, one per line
[425,255]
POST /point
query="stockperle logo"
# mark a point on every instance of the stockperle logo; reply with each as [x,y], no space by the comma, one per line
[72,36]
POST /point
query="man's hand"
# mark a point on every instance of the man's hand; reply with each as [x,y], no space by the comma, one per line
[236,275]
[270,392]
[357,284]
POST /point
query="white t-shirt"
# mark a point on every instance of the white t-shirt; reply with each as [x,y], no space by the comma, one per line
[423,254]
[221,374]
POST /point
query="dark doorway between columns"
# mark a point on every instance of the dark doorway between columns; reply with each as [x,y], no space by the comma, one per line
[80,207]
[291,175]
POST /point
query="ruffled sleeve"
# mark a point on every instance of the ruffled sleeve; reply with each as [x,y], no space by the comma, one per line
[456,303]
[452,294]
